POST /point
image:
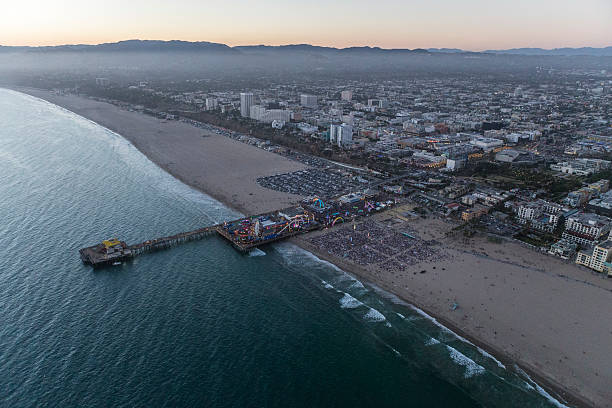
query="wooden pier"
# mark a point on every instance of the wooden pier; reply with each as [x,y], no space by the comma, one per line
[244,233]
[114,252]
[107,254]
[167,242]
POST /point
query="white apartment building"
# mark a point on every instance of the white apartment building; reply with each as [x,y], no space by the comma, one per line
[529,211]
[308,101]
[246,101]
[212,103]
[346,95]
[341,135]
[256,112]
[261,114]
[585,228]
[597,258]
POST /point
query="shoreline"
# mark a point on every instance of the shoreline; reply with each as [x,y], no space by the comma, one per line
[237,205]
[540,379]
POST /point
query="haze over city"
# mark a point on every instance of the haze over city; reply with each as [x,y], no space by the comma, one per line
[469,24]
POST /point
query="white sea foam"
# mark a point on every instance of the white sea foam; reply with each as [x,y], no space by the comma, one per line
[471,368]
[326,285]
[432,342]
[374,315]
[257,252]
[349,302]
[484,353]
[296,249]
[532,384]
[388,324]
[357,285]
[463,339]
[440,325]
[431,319]
[395,351]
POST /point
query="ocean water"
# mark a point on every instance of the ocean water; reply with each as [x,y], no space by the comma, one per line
[199,325]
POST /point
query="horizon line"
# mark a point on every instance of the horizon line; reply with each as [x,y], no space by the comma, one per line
[303,44]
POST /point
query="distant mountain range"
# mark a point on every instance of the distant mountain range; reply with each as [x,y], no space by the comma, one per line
[202,46]
[598,52]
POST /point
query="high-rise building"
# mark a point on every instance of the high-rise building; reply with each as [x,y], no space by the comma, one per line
[341,135]
[346,135]
[212,103]
[308,101]
[378,103]
[334,130]
[346,95]
[246,101]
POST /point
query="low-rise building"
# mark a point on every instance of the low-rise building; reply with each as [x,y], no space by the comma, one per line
[602,205]
[486,143]
[563,248]
[475,212]
[535,215]
[586,229]
[581,167]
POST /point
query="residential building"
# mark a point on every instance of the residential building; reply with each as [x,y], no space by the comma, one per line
[602,205]
[586,229]
[308,101]
[597,258]
[535,215]
[246,101]
[212,103]
[341,135]
[563,248]
[581,167]
[346,95]
[262,114]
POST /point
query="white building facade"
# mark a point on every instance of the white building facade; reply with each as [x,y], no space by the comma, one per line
[246,101]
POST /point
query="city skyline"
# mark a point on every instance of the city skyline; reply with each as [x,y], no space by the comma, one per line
[472,25]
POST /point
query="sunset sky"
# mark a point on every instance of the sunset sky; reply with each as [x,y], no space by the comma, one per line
[467,24]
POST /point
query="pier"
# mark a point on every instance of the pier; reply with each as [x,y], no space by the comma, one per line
[113,251]
[244,233]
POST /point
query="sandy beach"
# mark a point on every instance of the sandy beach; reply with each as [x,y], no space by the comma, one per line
[548,316]
[221,167]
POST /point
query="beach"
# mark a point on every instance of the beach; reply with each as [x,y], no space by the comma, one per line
[224,168]
[544,314]
[548,316]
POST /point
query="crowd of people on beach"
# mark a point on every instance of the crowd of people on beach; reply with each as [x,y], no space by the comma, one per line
[372,242]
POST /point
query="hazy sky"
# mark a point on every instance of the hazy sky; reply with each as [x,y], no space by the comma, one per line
[467,24]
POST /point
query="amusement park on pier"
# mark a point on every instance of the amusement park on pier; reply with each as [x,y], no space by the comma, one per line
[252,231]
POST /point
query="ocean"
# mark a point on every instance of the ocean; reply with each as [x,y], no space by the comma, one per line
[199,325]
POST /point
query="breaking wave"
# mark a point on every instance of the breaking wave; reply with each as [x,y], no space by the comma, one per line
[471,368]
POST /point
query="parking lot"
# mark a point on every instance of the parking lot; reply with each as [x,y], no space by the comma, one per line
[313,182]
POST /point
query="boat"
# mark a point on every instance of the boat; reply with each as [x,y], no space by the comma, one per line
[116,263]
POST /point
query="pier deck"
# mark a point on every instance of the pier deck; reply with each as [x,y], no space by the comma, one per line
[247,232]
[105,255]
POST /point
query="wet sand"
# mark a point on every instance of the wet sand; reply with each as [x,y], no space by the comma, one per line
[550,317]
